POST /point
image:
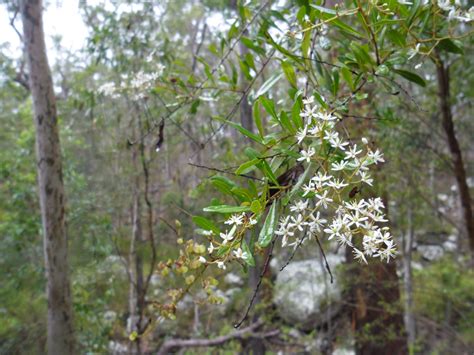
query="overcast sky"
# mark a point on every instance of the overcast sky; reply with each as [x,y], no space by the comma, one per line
[60,18]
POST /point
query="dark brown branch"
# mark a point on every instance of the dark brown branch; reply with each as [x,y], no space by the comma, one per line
[324,257]
[172,344]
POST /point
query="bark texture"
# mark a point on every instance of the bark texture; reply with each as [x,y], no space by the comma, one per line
[60,337]
[455,150]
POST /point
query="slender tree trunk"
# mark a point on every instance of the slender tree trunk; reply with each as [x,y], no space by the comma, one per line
[60,337]
[407,281]
[136,266]
[455,150]
[376,313]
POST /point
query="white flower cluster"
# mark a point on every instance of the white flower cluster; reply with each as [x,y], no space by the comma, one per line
[235,221]
[138,85]
[454,11]
[341,173]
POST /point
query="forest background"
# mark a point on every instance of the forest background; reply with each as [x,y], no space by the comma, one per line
[175,117]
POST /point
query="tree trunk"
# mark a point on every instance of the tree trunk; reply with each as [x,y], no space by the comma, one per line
[375,308]
[407,281]
[60,334]
[136,267]
[455,150]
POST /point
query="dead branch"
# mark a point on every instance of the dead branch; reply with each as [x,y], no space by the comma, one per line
[247,332]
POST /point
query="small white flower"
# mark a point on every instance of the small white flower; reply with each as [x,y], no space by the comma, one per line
[235,219]
[308,100]
[338,143]
[359,256]
[202,260]
[221,265]
[415,51]
[345,239]
[330,135]
[315,130]
[323,199]
[364,141]
[308,188]
[364,177]
[326,116]
[337,184]
[297,222]
[239,254]
[211,248]
[352,153]
[227,236]
[306,155]
[207,233]
[299,206]
[301,134]
[338,166]
[253,221]
[334,229]
[316,222]
[321,177]
[376,156]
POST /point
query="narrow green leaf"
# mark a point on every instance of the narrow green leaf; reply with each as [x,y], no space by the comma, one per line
[449,46]
[255,206]
[267,85]
[204,223]
[226,209]
[256,117]
[268,229]
[396,38]
[347,75]
[251,45]
[415,78]
[247,166]
[249,259]
[289,73]
[267,171]
[269,106]
[241,129]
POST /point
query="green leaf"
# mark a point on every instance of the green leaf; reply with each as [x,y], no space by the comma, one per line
[396,38]
[249,259]
[241,129]
[269,106]
[255,206]
[256,116]
[289,73]
[267,85]
[251,45]
[415,78]
[301,179]
[247,166]
[285,122]
[204,223]
[226,209]
[268,229]
[347,75]
[449,46]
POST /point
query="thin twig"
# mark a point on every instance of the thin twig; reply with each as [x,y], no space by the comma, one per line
[255,292]
[294,252]
[324,257]
[224,171]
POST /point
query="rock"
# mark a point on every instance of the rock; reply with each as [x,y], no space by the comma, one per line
[431,252]
[233,279]
[301,292]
